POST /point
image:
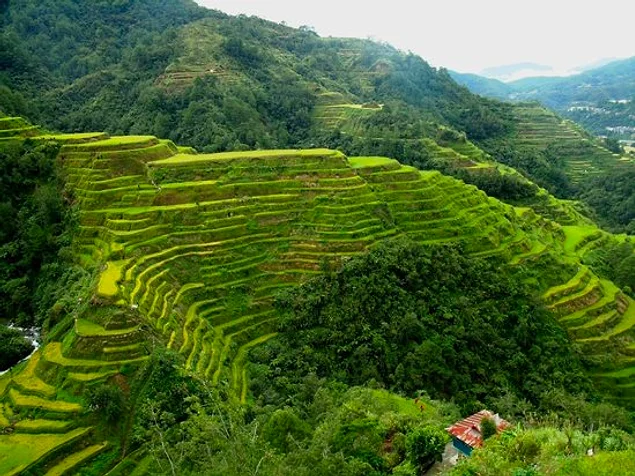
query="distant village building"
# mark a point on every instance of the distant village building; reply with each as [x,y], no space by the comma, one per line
[466,434]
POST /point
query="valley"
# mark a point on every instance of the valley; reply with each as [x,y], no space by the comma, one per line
[191,249]
[250,249]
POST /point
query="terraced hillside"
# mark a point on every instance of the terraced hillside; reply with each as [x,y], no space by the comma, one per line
[583,158]
[444,149]
[192,249]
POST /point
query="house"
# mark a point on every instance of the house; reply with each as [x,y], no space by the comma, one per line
[466,434]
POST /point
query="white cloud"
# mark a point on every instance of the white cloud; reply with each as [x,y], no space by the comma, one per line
[467,35]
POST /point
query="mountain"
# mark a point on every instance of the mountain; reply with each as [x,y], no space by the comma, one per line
[484,86]
[256,75]
[511,72]
[191,251]
[255,250]
[198,79]
[601,99]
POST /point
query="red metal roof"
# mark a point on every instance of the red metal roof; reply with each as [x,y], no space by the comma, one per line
[469,430]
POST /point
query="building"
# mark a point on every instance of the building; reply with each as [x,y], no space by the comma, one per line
[466,434]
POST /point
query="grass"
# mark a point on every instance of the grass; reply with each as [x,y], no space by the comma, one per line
[180,159]
[575,235]
[110,277]
[18,451]
[239,374]
[361,162]
[76,459]
[255,222]
[87,328]
[42,426]
[570,286]
[53,353]
[626,323]
[120,141]
[31,401]
[28,381]
[90,377]
[4,417]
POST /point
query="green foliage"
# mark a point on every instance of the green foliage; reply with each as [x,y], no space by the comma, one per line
[616,261]
[35,230]
[106,67]
[409,316]
[108,401]
[284,429]
[546,450]
[488,428]
[505,187]
[613,197]
[361,439]
[613,145]
[543,167]
[166,397]
[425,446]
[13,347]
[336,430]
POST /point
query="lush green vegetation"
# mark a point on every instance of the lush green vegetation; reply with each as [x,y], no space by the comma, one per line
[613,197]
[410,317]
[224,313]
[202,78]
[189,252]
[552,451]
[13,347]
[35,227]
[222,83]
[600,99]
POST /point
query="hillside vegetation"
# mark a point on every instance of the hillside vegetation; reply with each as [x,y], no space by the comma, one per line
[205,79]
[189,250]
[346,253]
[600,99]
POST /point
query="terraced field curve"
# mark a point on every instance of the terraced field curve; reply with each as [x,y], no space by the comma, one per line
[193,248]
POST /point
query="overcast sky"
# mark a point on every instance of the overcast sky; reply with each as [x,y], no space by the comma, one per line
[467,35]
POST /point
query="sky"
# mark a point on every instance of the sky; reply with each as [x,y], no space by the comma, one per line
[468,35]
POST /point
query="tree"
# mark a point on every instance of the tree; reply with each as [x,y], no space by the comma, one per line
[424,446]
[109,401]
[283,429]
[488,428]
[13,347]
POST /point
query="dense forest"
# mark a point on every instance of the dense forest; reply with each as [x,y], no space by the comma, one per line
[36,223]
[397,318]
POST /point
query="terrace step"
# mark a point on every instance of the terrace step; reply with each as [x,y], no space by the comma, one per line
[23,453]
[72,462]
[29,383]
[33,402]
[53,354]
[582,299]
[39,426]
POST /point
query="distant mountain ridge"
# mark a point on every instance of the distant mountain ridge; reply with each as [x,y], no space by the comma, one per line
[601,99]
[511,71]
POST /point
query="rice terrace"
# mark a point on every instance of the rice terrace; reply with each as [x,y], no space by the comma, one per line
[290,254]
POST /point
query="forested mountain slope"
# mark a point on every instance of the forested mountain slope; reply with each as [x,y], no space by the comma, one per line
[250,307]
[222,82]
[216,82]
[189,251]
[600,99]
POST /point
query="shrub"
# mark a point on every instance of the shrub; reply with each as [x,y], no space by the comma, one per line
[13,347]
[283,429]
[424,446]
[109,401]
[488,428]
